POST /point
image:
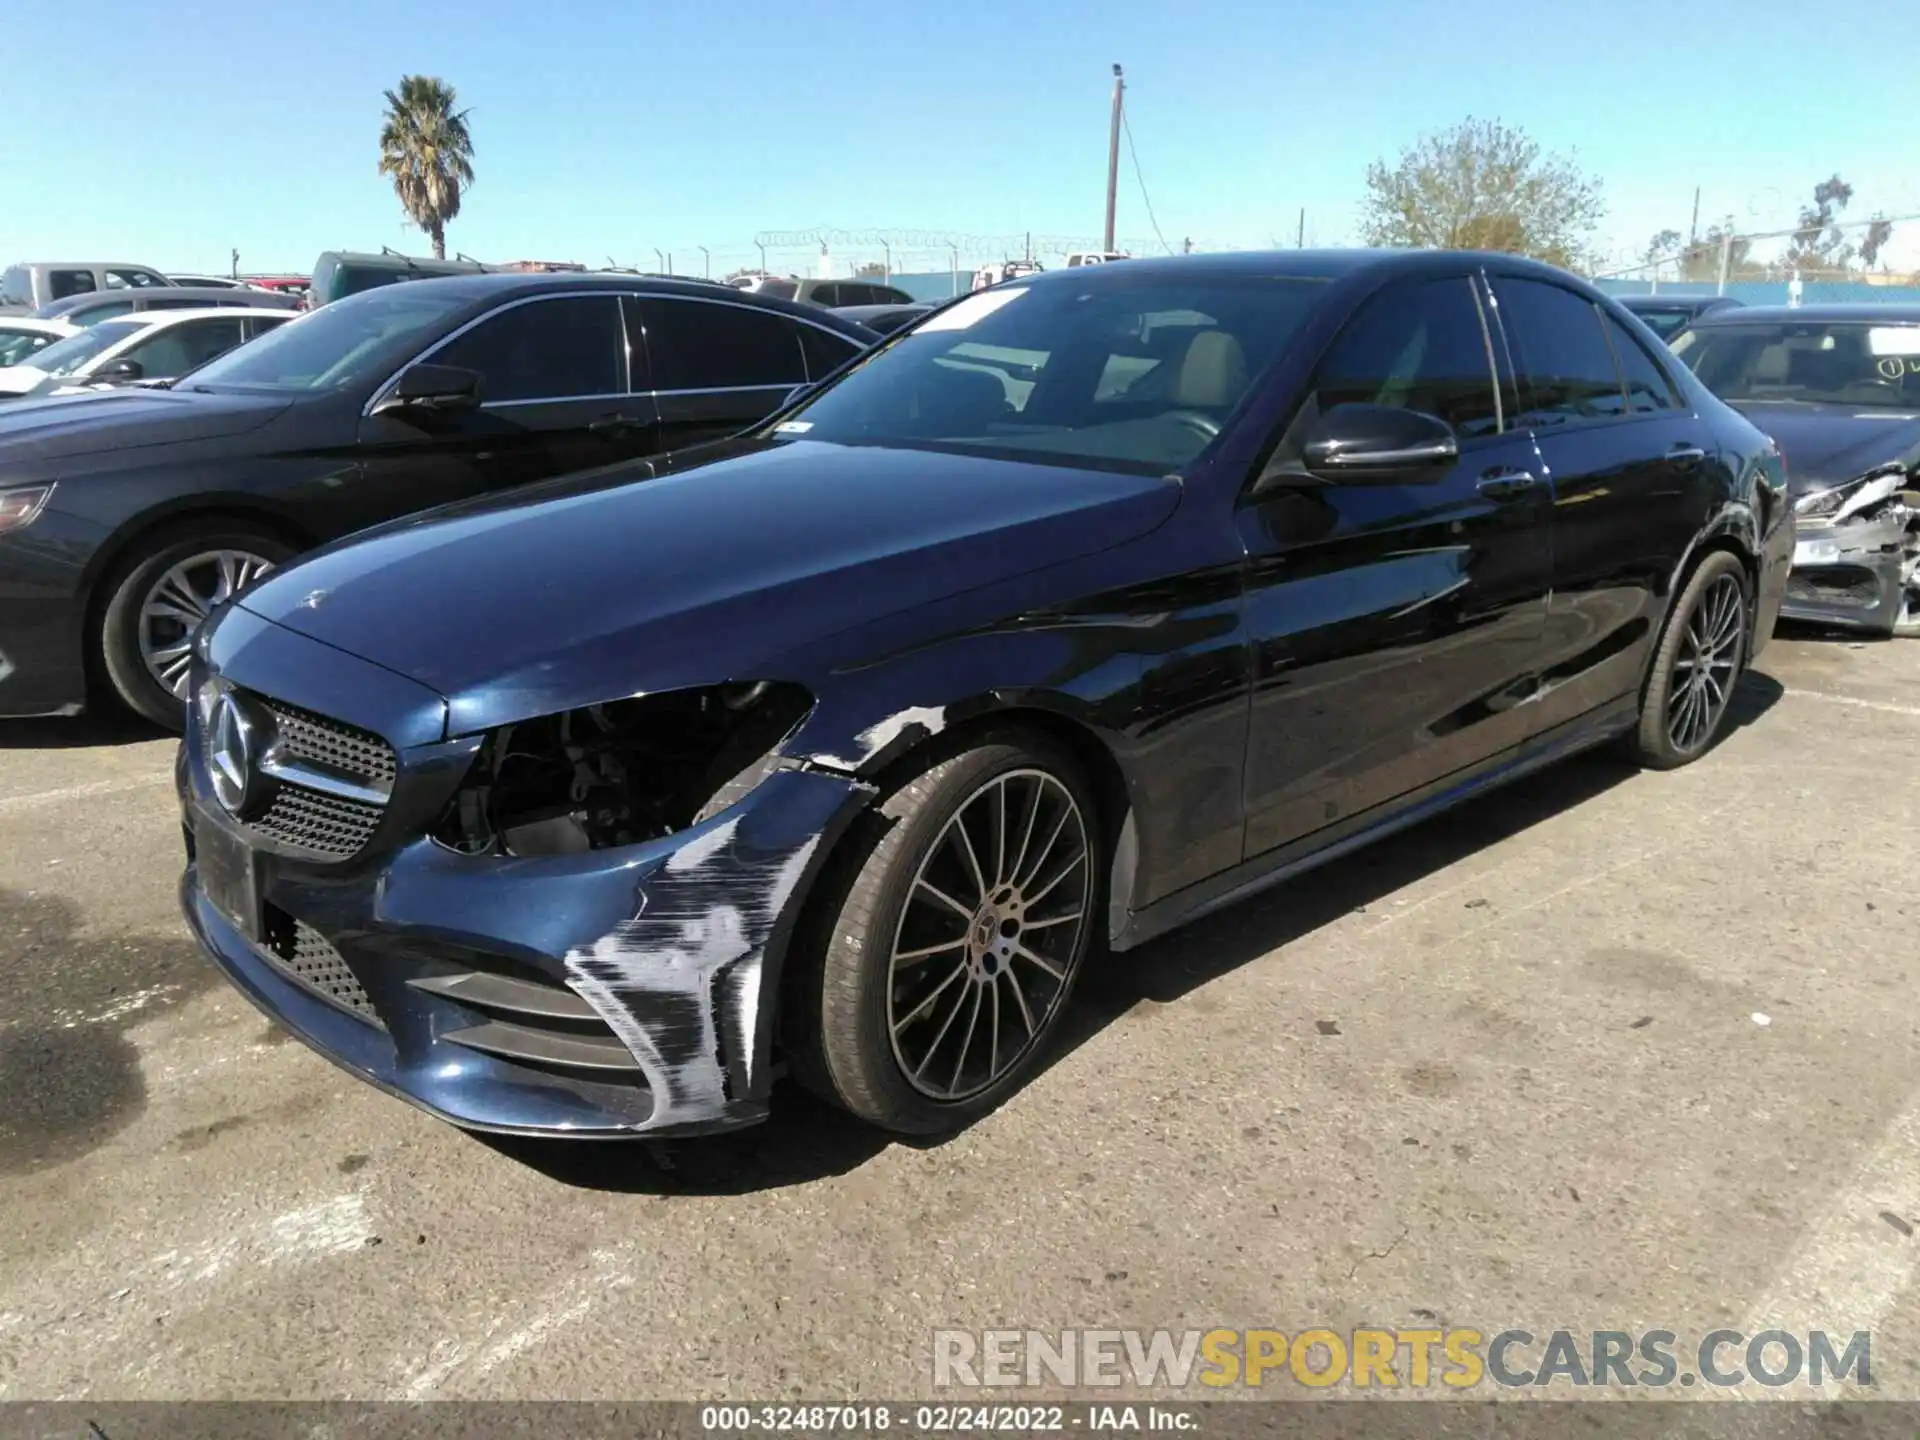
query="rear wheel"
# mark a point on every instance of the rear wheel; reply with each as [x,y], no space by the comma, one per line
[159,597]
[1701,654]
[958,938]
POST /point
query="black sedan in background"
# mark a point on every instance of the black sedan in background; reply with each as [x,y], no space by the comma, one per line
[1092,603]
[1668,315]
[884,319]
[126,517]
[1838,387]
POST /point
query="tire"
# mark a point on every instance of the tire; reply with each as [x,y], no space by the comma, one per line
[186,558]
[1715,608]
[951,1064]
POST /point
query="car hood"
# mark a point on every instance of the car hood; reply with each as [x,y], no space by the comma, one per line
[1826,444]
[614,583]
[62,427]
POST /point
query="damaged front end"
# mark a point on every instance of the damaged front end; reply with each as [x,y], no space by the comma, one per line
[569,925]
[1856,562]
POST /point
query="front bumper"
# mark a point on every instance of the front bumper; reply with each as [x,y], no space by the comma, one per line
[598,995]
[1855,574]
[42,615]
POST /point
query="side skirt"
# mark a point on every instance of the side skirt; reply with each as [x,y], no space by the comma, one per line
[1584,732]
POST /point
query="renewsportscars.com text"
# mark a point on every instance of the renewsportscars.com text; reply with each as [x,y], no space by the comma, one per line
[1451,1359]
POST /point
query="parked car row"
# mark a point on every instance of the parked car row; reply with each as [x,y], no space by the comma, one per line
[148,348]
[1078,609]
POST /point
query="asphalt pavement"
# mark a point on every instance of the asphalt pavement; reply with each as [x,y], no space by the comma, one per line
[1609,1050]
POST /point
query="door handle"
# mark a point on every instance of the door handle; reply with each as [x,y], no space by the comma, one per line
[614,424]
[1685,454]
[1506,484]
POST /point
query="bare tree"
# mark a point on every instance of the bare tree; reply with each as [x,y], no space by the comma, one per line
[1482,185]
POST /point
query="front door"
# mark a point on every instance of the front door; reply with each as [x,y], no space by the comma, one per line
[1396,629]
[1631,470]
[553,399]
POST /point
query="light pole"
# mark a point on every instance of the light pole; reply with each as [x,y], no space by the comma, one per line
[660,257]
[888,251]
[706,262]
[763,257]
[1113,153]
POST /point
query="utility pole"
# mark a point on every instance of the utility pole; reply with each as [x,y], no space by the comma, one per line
[236,265]
[706,262]
[660,257]
[1726,257]
[1113,154]
[887,250]
[1693,229]
[1300,237]
[763,257]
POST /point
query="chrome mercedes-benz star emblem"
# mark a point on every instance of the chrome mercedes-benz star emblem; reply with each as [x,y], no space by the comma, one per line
[230,742]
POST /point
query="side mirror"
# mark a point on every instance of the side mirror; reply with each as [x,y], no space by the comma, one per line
[432,388]
[1371,445]
[119,372]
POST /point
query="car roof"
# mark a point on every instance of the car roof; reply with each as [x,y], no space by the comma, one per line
[490,287]
[36,326]
[1890,312]
[141,294]
[1674,302]
[90,265]
[161,319]
[1291,264]
[867,312]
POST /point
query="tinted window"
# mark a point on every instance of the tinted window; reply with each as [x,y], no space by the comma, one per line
[1851,363]
[158,303]
[1132,373]
[1416,347]
[180,348]
[780,289]
[357,279]
[825,295]
[695,345]
[16,287]
[137,279]
[1664,323]
[1648,388]
[94,314]
[1562,353]
[546,350]
[338,345]
[63,283]
[825,353]
[17,346]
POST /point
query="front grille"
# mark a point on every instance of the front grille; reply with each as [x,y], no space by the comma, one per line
[1841,585]
[316,740]
[304,955]
[310,820]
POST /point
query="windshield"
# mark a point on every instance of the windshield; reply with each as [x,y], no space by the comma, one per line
[1852,362]
[17,345]
[76,350]
[1116,371]
[333,346]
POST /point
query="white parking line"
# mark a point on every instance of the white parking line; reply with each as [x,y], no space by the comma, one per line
[1884,706]
[1854,1264]
[83,792]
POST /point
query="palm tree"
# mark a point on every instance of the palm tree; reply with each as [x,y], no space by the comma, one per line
[425,147]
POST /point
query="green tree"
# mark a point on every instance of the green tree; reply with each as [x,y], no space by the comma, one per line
[1482,185]
[426,148]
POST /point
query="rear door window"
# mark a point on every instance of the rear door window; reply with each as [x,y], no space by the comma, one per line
[1567,370]
[16,286]
[1649,387]
[566,348]
[703,345]
[1419,346]
[62,283]
[132,279]
[824,353]
[107,310]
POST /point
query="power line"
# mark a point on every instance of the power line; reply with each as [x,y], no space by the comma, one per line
[1126,126]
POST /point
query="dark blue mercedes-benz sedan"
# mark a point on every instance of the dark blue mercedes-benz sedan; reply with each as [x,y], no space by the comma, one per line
[1086,605]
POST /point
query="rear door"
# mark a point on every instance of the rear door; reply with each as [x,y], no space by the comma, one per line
[1396,629]
[712,367]
[554,399]
[1629,467]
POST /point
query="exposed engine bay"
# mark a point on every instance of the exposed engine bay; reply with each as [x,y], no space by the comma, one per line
[620,773]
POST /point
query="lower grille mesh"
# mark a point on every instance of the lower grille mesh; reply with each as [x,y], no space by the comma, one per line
[307,956]
[324,824]
[1842,585]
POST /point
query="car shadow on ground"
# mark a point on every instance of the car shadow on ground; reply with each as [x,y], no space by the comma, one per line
[102,725]
[807,1139]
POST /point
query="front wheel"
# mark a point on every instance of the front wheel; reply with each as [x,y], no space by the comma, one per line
[958,938]
[161,594]
[1702,651]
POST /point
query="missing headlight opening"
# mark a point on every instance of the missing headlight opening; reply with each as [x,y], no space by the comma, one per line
[619,773]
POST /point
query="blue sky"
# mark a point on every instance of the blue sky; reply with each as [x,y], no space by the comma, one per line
[611,130]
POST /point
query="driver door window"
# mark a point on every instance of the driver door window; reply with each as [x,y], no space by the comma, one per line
[567,348]
[1417,347]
